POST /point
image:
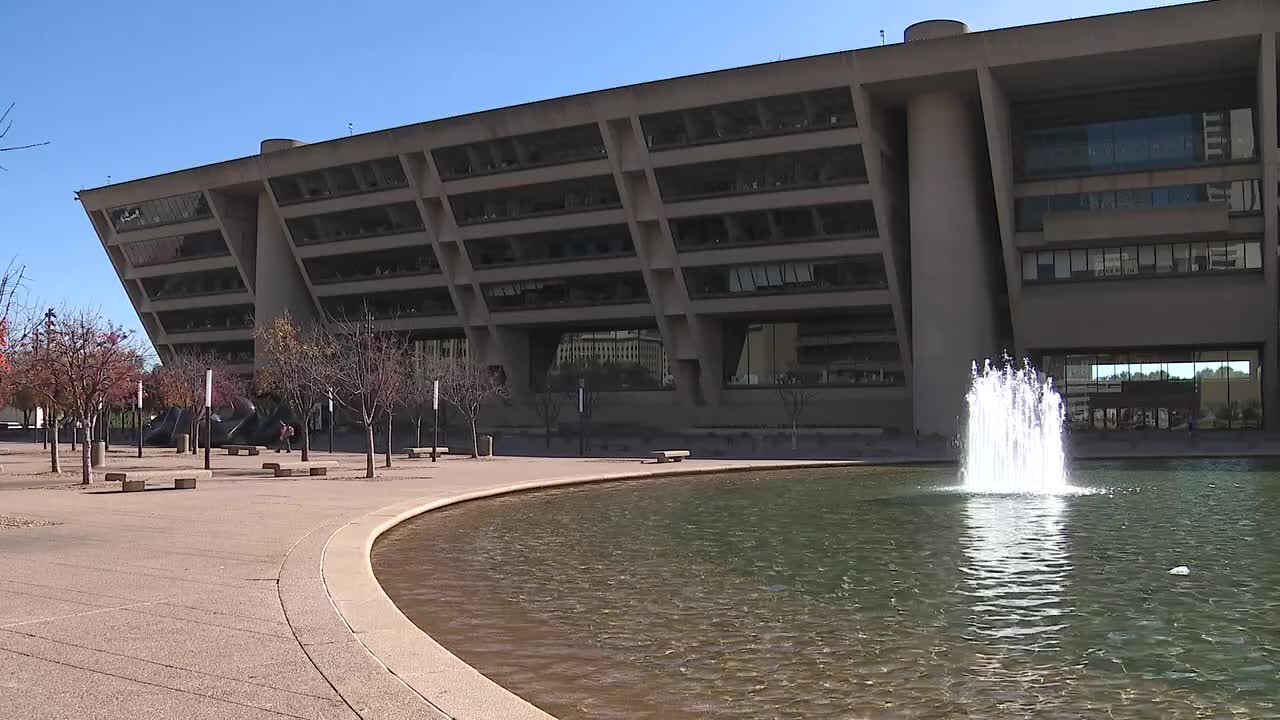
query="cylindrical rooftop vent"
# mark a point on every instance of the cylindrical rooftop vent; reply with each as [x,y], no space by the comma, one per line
[275,144]
[934,29]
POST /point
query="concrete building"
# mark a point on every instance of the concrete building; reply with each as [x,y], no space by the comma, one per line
[1097,194]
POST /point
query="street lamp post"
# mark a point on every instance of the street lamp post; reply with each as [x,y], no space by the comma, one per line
[330,421]
[139,418]
[435,418]
[208,416]
[582,415]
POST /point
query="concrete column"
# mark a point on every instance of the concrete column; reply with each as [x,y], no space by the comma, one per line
[280,286]
[1269,155]
[952,250]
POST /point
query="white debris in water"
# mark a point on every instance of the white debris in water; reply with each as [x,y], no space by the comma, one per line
[1180,570]
[1013,437]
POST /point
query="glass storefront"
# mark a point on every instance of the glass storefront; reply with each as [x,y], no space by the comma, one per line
[621,359]
[860,350]
[1100,263]
[1213,389]
[1241,197]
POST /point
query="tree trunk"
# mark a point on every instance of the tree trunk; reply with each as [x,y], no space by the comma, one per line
[55,462]
[306,439]
[85,477]
[475,438]
[387,460]
[793,435]
[417,432]
[368,450]
[75,434]
[195,431]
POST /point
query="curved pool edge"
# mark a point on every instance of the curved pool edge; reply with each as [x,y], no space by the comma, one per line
[446,684]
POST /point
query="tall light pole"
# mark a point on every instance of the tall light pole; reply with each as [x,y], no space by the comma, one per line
[139,418]
[435,419]
[208,416]
[330,421]
[582,417]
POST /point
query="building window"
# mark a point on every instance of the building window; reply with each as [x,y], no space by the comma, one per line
[448,348]
[232,353]
[1146,143]
[853,350]
[802,224]
[557,246]
[233,317]
[1241,197]
[801,112]
[173,249]
[768,173]
[1169,260]
[388,305]
[180,285]
[1201,389]
[618,359]
[594,193]
[567,292]
[164,211]
[371,265]
[563,145]
[355,224]
[827,275]
[364,177]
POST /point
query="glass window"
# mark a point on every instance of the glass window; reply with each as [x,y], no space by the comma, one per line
[1253,255]
[808,168]
[1029,271]
[371,265]
[605,241]
[621,359]
[816,110]
[1129,260]
[858,349]
[353,224]
[1111,262]
[174,249]
[1079,264]
[857,272]
[1147,259]
[388,305]
[1097,263]
[592,193]
[363,177]
[1181,253]
[1045,265]
[568,291]
[1164,258]
[570,144]
[164,211]
[1199,257]
[1233,257]
[1062,264]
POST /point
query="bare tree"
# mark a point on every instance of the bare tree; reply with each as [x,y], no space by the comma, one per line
[415,395]
[794,401]
[548,402]
[295,370]
[6,124]
[367,365]
[92,357]
[466,384]
[30,366]
[592,379]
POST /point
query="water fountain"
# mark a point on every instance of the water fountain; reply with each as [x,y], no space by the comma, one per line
[1013,435]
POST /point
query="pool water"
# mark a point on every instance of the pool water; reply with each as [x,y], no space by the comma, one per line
[863,592]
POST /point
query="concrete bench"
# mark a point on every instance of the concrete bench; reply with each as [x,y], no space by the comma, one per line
[237,449]
[136,481]
[664,456]
[314,468]
[413,453]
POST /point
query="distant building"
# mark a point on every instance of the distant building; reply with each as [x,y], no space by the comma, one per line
[1098,195]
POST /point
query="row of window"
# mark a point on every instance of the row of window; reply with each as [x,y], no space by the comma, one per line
[816,110]
[192,284]
[858,350]
[162,211]
[577,244]
[418,260]
[565,292]
[823,222]
[233,353]
[767,173]
[357,223]
[231,317]
[850,273]
[354,179]
[593,193]
[1141,260]
[1204,389]
[389,305]
[550,147]
[1165,141]
[1241,197]
[173,249]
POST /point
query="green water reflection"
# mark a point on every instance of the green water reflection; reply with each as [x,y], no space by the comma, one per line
[863,593]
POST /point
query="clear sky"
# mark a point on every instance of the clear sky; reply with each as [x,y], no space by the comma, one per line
[127,89]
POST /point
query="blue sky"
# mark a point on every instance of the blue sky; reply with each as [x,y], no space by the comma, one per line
[130,89]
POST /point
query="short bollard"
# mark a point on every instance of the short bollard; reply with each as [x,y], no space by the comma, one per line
[182,442]
[97,453]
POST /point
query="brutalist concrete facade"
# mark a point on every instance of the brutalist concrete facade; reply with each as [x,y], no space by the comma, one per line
[1096,194]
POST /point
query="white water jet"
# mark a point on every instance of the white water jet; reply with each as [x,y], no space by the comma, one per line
[1013,435]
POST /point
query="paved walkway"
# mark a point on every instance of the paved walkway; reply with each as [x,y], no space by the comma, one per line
[208,603]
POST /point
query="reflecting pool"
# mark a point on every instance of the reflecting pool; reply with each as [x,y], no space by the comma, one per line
[863,592]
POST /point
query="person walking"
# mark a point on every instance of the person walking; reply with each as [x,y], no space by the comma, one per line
[286,433]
